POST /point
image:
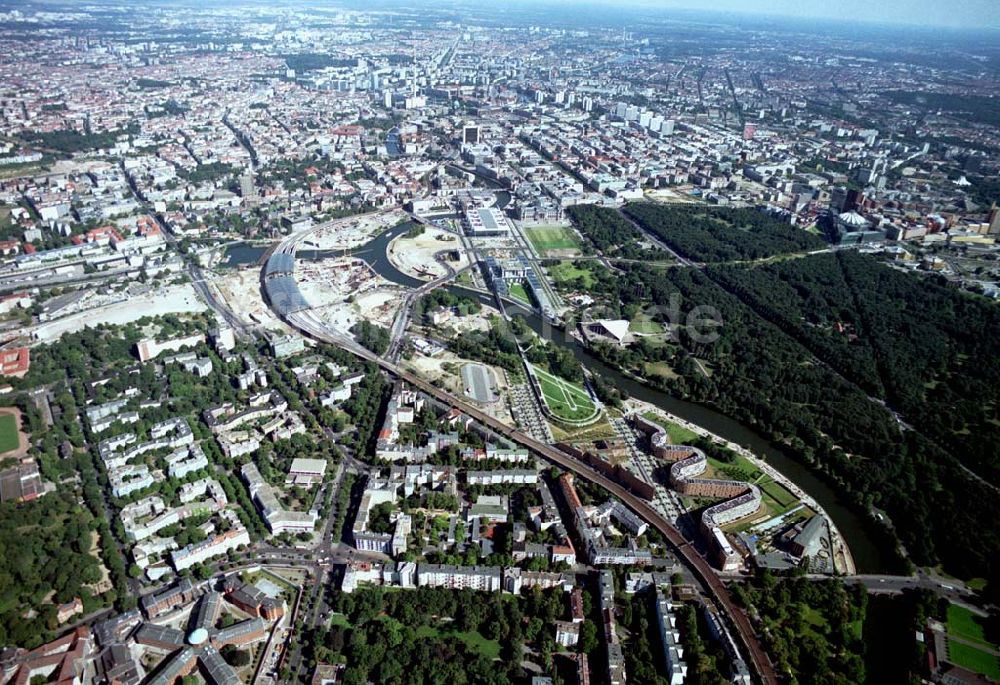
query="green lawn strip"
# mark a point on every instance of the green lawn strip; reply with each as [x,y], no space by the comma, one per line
[8,434]
[340,620]
[973,659]
[965,624]
[679,435]
[518,292]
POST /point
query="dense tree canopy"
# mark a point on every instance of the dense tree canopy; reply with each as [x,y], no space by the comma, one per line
[779,366]
[720,234]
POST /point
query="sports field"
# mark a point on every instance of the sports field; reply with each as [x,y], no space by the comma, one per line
[8,433]
[566,401]
[545,238]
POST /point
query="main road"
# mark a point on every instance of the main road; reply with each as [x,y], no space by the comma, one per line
[305,322]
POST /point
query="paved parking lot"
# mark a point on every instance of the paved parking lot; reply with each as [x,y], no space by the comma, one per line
[480,383]
[527,413]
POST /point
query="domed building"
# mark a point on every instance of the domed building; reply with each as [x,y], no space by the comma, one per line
[852,228]
[852,222]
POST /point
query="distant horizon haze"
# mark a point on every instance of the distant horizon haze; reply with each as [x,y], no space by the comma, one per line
[962,14]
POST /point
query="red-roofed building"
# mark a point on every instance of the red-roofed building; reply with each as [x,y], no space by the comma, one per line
[15,361]
[62,661]
[102,235]
[147,226]
[347,131]
[9,247]
[68,610]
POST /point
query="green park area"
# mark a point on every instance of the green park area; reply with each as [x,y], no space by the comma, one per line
[473,639]
[968,646]
[545,238]
[965,624]
[645,327]
[566,401]
[679,435]
[568,273]
[519,292]
[8,433]
[974,659]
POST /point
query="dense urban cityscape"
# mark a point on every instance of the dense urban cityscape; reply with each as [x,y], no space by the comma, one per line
[536,343]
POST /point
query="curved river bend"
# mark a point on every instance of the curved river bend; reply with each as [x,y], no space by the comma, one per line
[869,546]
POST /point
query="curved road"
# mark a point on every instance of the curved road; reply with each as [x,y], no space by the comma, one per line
[310,326]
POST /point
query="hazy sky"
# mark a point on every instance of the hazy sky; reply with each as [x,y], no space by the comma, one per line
[963,13]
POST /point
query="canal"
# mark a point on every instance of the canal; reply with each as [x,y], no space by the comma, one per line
[869,545]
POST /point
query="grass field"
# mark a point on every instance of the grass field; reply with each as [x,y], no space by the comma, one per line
[679,435]
[8,434]
[965,624]
[472,639]
[567,273]
[546,238]
[973,659]
[645,326]
[658,369]
[518,292]
[565,400]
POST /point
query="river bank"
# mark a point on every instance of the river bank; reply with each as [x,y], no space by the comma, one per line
[843,560]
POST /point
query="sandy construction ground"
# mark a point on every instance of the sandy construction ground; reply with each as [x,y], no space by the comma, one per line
[670,195]
[378,306]
[177,299]
[353,231]
[415,257]
[331,281]
[241,292]
[344,290]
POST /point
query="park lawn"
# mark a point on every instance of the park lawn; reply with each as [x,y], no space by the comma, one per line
[747,471]
[662,369]
[339,620]
[518,292]
[565,400]
[965,624]
[473,639]
[778,493]
[645,327]
[973,659]
[545,238]
[567,273]
[679,435]
[8,434]
[778,500]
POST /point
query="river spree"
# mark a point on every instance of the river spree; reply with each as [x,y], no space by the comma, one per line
[870,548]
